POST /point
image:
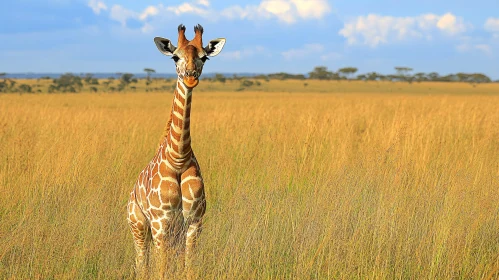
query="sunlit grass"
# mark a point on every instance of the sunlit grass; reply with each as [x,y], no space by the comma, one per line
[347,184]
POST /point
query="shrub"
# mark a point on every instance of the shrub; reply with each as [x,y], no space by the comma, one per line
[67,83]
[25,88]
[247,83]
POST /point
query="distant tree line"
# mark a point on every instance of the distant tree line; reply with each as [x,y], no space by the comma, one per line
[76,83]
[403,74]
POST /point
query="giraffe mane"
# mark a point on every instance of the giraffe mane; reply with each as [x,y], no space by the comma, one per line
[167,128]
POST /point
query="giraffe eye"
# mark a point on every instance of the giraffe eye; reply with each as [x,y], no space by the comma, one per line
[175,58]
[204,58]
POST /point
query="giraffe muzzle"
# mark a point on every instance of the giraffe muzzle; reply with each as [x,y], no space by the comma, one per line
[191,81]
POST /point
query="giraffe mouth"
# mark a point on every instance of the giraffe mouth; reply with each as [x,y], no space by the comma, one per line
[191,81]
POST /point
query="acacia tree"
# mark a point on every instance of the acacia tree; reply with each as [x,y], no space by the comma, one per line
[480,78]
[348,71]
[66,83]
[125,80]
[420,77]
[372,76]
[403,73]
[149,71]
[433,76]
[320,73]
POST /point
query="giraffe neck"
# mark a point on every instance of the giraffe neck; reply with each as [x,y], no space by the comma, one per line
[179,137]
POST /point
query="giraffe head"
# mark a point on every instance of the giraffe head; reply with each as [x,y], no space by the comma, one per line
[189,56]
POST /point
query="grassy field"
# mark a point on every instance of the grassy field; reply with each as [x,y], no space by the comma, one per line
[333,180]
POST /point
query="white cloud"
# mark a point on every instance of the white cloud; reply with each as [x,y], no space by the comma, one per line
[307,9]
[205,3]
[237,12]
[121,15]
[427,21]
[373,30]
[187,8]
[492,25]
[450,24]
[306,50]
[467,47]
[97,6]
[148,12]
[279,8]
[287,11]
[484,48]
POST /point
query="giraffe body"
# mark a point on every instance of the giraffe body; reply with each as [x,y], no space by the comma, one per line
[168,201]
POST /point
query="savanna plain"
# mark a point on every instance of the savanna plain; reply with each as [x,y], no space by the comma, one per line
[329,180]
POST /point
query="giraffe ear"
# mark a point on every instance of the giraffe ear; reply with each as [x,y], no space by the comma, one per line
[164,45]
[214,47]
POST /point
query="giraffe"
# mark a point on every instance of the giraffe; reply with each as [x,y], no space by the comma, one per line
[167,202]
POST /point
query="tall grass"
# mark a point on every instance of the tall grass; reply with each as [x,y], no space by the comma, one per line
[302,185]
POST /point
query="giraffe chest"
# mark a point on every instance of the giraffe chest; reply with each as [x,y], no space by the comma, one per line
[163,188]
[160,194]
[156,191]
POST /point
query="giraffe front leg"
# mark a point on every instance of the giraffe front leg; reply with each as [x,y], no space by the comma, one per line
[193,209]
[141,237]
[164,207]
[162,229]
[160,250]
[163,239]
[193,231]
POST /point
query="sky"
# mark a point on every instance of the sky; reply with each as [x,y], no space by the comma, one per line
[263,36]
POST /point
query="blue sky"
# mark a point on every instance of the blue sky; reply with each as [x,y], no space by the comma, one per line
[263,36]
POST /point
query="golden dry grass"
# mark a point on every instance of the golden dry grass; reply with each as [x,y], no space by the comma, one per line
[351,185]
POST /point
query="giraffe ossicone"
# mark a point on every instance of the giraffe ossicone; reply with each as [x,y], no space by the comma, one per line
[167,203]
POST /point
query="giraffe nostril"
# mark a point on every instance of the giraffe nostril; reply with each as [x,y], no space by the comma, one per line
[191,73]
